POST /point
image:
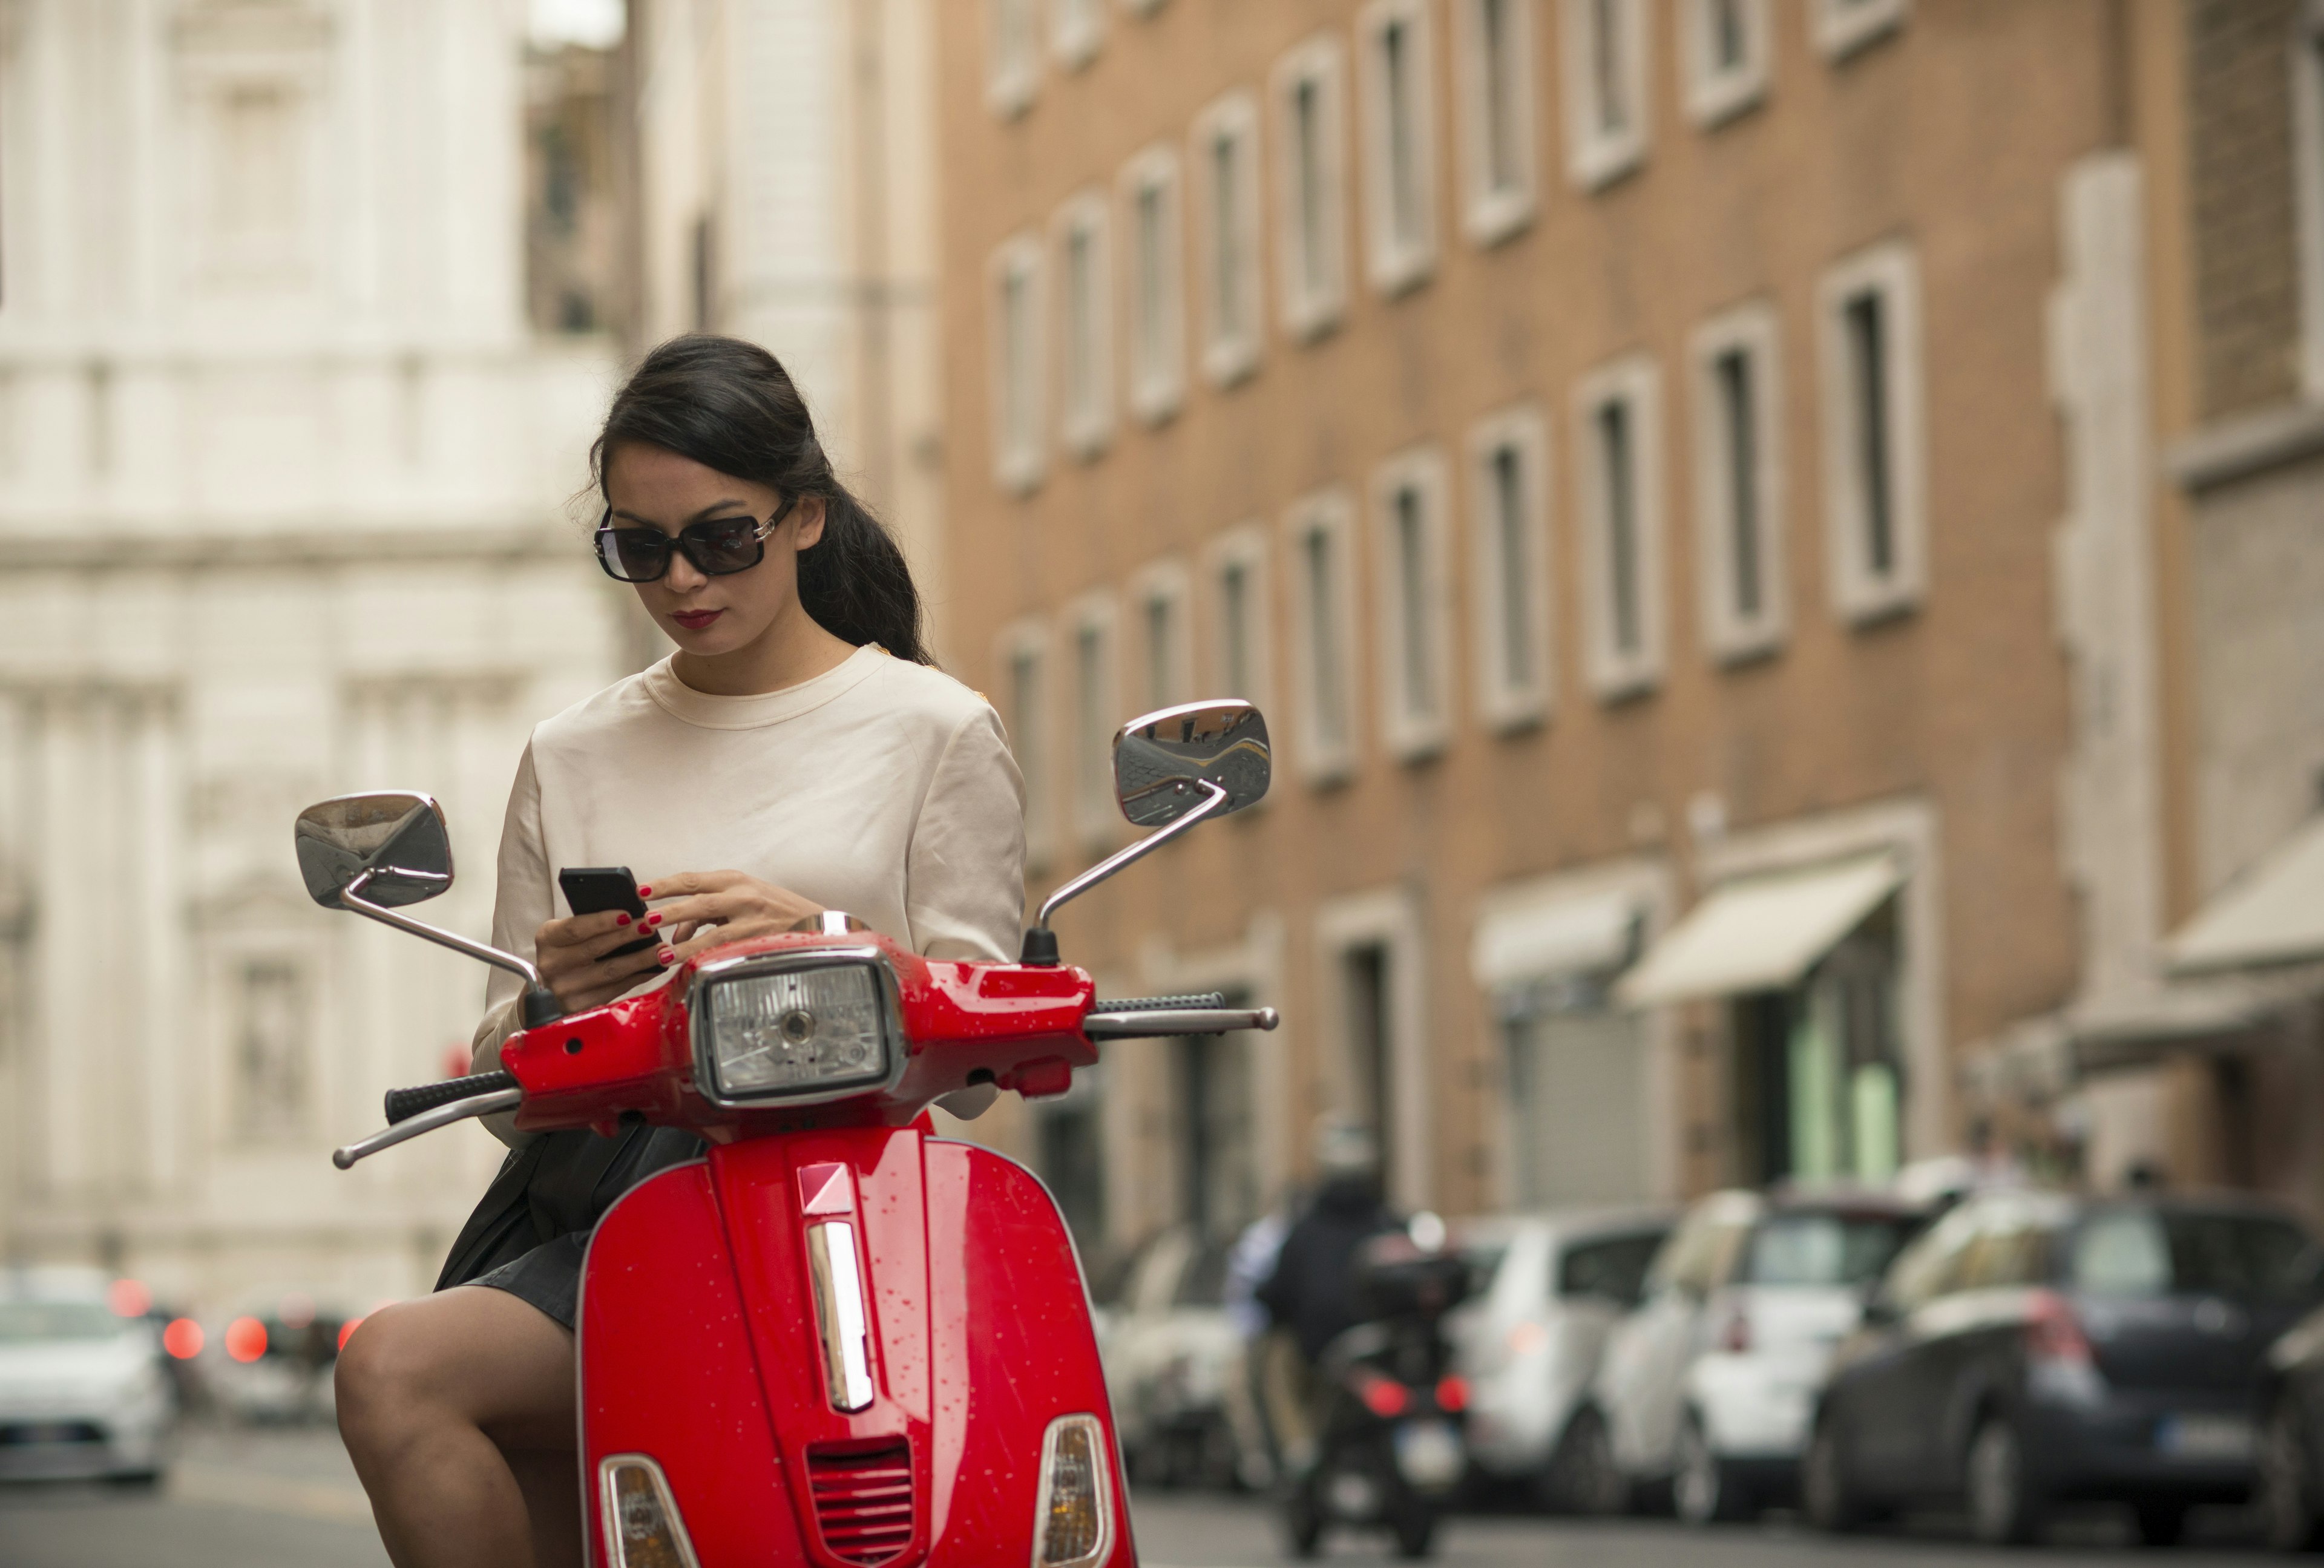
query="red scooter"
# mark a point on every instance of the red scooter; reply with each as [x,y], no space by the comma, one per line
[838,1338]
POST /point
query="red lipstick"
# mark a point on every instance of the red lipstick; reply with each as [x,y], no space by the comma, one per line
[695,620]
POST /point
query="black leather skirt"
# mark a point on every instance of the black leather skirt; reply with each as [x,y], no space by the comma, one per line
[527,1234]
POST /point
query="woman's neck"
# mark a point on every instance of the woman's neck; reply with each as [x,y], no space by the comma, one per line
[793,648]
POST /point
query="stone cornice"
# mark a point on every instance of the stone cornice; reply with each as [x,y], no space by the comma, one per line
[2246,446]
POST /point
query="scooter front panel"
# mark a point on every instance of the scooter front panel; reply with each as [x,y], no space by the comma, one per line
[667,1371]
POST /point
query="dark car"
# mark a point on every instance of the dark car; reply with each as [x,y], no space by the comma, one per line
[2292,1437]
[2034,1347]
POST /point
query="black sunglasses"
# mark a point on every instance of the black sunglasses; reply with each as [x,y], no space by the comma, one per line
[718,547]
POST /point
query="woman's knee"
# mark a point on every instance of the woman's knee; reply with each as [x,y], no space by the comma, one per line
[387,1371]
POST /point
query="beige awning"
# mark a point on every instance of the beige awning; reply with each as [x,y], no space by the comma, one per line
[1761,933]
[1522,939]
[2271,914]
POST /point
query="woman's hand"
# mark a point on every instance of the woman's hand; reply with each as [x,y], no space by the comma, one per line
[572,955]
[699,909]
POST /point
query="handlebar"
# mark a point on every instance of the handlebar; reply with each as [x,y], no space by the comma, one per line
[1161,1003]
[1153,1018]
[405,1104]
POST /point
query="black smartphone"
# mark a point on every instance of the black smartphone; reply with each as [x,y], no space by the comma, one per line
[593,890]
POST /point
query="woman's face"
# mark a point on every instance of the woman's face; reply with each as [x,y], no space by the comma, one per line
[707,616]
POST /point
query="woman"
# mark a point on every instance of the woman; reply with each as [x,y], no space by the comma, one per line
[798,737]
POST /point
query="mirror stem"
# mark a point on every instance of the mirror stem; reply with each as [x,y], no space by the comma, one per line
[1040,944]
[539,1006]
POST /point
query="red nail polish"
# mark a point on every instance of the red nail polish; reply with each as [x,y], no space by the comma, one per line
[651,921]
[668,955]
[620,919]
[643,892]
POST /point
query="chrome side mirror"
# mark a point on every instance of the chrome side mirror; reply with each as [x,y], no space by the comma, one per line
[1163,761]
[396,842]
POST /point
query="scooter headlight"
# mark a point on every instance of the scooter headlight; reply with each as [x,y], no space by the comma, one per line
[795,1030]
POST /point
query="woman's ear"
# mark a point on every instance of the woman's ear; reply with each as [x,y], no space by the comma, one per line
[809,531]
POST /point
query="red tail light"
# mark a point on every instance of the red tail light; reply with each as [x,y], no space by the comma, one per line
[130,1298]
[1452,1394]
[2052,1332]
[1735,1334]
[183,1339]
[1383,1396]
[246,1339]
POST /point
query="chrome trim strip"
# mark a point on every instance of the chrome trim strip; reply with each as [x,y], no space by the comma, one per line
[891,1002]
[840,1313]
[490,1104]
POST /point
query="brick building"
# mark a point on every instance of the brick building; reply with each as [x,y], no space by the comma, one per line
[1685,480]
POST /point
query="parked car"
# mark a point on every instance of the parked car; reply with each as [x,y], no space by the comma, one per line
[2292,1437]
[271,1364]
[1708,1387]
[1549,1288]
[1170,1349]
[82,1392]
[2034,1348]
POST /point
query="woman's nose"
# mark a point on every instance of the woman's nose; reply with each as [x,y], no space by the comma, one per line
[683,576]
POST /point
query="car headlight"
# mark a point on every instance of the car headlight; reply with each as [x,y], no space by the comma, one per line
[797,1029]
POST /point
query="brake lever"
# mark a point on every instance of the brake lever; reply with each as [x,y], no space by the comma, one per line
[427,1121]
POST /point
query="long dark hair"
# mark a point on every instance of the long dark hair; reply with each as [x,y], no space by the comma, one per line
[730,405]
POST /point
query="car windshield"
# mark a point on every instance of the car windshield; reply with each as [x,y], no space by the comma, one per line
[28,1323]
[1612,1267]
[1823,1248]
[2150,1252]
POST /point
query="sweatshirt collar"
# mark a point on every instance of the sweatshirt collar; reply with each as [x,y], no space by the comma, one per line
[687,706]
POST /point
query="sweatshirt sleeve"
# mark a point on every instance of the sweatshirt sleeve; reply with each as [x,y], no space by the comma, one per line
[964,876]
[520,902]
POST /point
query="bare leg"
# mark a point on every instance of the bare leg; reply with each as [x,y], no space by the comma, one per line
[433,1395]
[551,1480]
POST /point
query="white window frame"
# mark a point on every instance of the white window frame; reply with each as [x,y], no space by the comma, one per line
[1595,155]
[1076,29]
[1730,634]
[1506,704]
[1091,718]
[1012,66]
[1244,548]
[1156,380]
[1324,758]
[1860,593]
[1230,351]
[1031,739]
[2308,171]
[1313,280]
[1839,28]
[1399,254]
[1489,212]
[1019,454]
[1168,582]
[1086,425]
[1617,674]
[1713,95]
[1413,729]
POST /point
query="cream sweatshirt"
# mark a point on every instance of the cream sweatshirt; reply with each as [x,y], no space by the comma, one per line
[881,788]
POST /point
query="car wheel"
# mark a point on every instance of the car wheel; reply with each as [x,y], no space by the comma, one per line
[2160,1524]
[2002,1507]
[1704,1489]
[1831,1500]
[2287,1491]
[1581,1476]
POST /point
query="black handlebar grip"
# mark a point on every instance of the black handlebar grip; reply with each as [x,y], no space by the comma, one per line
[405,1104]
[1209,999]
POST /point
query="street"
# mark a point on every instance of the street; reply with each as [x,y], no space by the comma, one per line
[240,1499]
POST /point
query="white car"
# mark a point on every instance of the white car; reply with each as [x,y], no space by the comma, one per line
[1171,1351]
[1710,1385]
[82,1392]
[1550,1288]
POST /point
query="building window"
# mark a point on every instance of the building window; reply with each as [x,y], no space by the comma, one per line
[1508,556]
[1408,532]
[1012,56]
[1166,649]
[272,1046]
[1739,491]
[1225,155]
[2307,168]
[1085,360]
[1618,442]
[1019,393]
[1022,657]
[1869,354]
[1310,141]
[1604,46]
[1842,27]
[1372,968]
[1323,655]
[1155,286]
[1096,715]
[1399,116]
[1725,51]
[1495,49]
[1239,663]
[1142,7]
[1076,27]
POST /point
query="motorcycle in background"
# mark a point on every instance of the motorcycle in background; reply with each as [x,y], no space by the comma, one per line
[837,1338]
[1390,1450]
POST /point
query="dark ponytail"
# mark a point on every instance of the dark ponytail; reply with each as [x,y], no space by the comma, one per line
[730,405]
